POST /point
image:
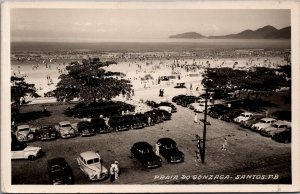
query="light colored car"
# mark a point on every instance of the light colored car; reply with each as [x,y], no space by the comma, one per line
[193,105]
[201,107]
[243,117]
[20,150]
[274,128]
[65,129]
[166,108]
[263,123]
[91,165]
[24,133]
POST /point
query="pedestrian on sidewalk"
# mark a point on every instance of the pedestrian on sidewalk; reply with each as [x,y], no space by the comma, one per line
[195,118]
[225,144]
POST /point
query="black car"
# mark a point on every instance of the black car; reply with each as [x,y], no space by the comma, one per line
[117,123]
[85,128]
[133,122]
[176,98]
[143,152]
[164,115]
[59,171]
[186,100]
[143,118]
[46,132]
[168,149]
[283,137]
[169,104]
[100,126]
[217,111]
[155,118]
[231,114]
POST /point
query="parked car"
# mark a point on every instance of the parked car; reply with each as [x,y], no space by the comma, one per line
[117,123]
[154,117]
[133,122]
[85,128]
[59,171]
[90,163]
[186,100]
[201,107]
[165,108]
[243,117]
[263,123]
[169,104]
[274,128]
[20,150]
[46,132]
[65,129]
[164,115]
[284,136]
[216,111]
[24,133]
[254,119]
[176,98]
[229,115]
[193,105]
[168,149]
[99,125]
[143,152]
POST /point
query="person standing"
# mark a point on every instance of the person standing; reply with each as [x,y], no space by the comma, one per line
[112,173]
[225,145]
[195,118]
[116,166]
[149,121]
[157,148]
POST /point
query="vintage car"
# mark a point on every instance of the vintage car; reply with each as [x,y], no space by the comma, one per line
[46,132]
[85,128]
[201,107]
[155,118]
[243,117]
[20,150]
[230,114]
[24,133]
[65,129]
[274,128]
[59,171]
[164,115]
[176,98]
[99,125]
[165,108]
[284,136]
[169,104]
[263,123]
[186,100]
[143,152]
[90,163]
[193,105]
[216,111]
[168,149]
[133,122]
[117,123]
[254,119]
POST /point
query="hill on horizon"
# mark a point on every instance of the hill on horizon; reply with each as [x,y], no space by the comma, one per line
[266,32]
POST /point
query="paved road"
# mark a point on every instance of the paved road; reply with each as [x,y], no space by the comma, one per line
[248,153]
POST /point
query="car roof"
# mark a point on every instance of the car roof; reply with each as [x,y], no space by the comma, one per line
[166,141]
[268,119]
[23,126]
[64,122]
[142,145]
[56,161]
[89,155]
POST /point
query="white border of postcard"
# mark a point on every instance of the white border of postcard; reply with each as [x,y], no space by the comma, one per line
[6,186]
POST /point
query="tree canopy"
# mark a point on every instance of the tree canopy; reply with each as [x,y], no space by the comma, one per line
[257,79]
[89,82]
[20,89]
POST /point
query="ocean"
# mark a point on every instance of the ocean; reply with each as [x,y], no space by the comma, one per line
[168,45]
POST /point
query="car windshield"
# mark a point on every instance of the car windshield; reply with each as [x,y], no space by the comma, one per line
[66,125]
[55,168]
[93,161]
[24,129]
[263,121]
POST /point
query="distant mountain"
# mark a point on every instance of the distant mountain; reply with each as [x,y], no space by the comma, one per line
[188,35]
[266,32]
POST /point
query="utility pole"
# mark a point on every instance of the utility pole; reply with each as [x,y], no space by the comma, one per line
[205,123]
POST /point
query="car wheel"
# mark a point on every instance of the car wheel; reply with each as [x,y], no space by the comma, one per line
[30,136]
[31,157]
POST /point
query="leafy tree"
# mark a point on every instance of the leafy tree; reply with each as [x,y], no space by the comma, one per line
[19,90]
[89,82]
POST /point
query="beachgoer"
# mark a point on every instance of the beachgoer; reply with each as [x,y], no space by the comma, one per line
[224,145]
[157,148]
[116,166]
[112,173]
[149,121]
[195,118]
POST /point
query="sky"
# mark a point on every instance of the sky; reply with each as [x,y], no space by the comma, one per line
[86,25]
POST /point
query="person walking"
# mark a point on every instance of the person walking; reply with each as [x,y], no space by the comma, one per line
[112,173]
[225,145]
[149,121]
[116,166]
